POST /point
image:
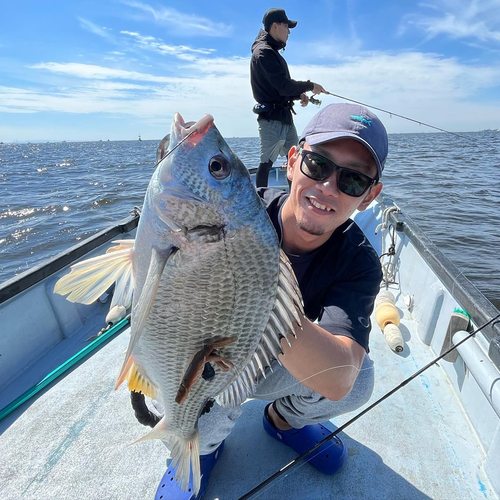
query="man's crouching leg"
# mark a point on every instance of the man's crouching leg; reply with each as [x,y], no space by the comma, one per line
[307,407]
[295,419]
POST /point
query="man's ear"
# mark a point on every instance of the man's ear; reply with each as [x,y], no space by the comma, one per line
[372,194]
[292,158]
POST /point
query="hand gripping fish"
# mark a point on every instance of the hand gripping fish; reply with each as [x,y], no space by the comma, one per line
[208,283]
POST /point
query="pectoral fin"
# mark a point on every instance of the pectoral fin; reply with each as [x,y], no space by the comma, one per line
[89,279]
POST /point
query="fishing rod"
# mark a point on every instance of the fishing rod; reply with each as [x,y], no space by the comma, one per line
[294,463]
[318,102]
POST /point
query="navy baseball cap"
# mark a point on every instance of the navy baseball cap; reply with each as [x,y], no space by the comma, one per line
[337,121]
[277,16]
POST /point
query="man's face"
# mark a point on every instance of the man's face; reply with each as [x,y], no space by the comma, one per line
[318,206]
[280,32]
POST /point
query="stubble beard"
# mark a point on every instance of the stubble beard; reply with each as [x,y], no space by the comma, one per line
[314,229]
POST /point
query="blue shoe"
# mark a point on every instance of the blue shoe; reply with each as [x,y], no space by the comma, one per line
[170,489]
[328,458]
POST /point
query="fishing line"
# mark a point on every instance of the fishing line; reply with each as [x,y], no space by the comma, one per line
[399,116]
[473,139]
[294,463]
[175,147]
[311,376]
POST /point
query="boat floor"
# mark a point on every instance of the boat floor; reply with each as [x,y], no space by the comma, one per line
[73,441]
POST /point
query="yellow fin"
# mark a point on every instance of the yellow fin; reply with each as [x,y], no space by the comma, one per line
[137,381]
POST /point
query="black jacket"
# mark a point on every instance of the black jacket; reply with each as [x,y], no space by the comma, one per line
[270,79]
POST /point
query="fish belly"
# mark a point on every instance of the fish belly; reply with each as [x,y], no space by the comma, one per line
[208,292]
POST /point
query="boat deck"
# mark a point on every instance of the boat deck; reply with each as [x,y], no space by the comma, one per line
[72,442]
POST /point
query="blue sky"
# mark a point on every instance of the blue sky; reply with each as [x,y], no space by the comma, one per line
[113,69]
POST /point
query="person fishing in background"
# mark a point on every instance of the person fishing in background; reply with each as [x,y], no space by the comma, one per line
[334,170]
[275,91]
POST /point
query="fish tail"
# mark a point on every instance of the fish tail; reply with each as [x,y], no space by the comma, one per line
[89,279]
[185,453]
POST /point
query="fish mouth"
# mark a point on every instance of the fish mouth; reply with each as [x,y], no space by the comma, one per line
[189,132]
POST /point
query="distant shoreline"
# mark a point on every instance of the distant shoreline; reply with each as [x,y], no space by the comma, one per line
[57,141]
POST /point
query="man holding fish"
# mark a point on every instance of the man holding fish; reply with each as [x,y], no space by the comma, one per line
[236,293]
[334,170]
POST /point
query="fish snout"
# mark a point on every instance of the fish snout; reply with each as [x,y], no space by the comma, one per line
[193,131]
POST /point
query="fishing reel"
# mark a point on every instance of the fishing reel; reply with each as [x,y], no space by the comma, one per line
[314,101]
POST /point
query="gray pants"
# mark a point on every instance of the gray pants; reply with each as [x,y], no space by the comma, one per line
[276,139]
[299,405]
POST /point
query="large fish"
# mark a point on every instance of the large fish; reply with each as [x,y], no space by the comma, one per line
[209,284]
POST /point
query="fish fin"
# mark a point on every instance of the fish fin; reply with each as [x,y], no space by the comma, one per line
[137,380]
[185,453]
[89,279]
[141,309]
[121,245]
[289,295]
[243,387]
[286,311]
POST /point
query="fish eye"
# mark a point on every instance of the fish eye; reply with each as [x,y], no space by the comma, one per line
[219,167]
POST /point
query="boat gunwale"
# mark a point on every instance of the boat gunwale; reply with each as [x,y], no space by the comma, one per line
[466,293]
[46,268]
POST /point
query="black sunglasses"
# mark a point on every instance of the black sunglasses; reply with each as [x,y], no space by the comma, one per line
[319,168]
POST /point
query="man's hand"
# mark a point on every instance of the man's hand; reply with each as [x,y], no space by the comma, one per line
[304,100]
[318,89]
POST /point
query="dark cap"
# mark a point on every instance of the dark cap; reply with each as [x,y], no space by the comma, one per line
[277,16]
[338,121]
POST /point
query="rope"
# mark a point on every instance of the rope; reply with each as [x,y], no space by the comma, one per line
[388,268]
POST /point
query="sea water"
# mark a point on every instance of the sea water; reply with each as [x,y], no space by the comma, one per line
[56,194]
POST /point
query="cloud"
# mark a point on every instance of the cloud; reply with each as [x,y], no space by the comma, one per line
[459,19]
[157,45]
[100,89]
[331,48]
[425,87]
[92,71]
[96,30]
[181,23]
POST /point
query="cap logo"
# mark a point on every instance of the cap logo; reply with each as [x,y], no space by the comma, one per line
[361,119]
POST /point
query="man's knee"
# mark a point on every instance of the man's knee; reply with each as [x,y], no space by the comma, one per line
[312,408]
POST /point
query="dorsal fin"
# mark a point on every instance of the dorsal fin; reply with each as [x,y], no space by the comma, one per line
[286,311]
